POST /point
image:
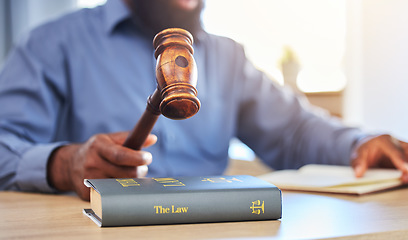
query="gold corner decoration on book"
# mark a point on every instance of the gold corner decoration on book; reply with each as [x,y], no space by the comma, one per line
[150,201]
[334,179]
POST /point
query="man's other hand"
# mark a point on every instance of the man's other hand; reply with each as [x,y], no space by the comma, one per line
[382,151]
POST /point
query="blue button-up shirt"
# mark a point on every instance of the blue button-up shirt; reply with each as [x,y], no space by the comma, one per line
[91,72]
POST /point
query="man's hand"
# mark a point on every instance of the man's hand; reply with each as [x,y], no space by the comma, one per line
[381,151]
[102,156]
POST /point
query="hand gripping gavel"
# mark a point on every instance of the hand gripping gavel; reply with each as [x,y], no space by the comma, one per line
[176,76]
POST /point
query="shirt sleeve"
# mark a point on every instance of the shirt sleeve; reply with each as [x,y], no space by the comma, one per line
[283,129]
[30,98]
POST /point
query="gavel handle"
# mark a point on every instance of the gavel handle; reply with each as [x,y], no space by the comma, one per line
[145,124]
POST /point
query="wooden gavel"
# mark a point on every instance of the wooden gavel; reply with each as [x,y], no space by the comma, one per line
[176,76]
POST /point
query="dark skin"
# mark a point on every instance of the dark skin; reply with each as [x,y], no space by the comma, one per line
[103,155]
[382,151]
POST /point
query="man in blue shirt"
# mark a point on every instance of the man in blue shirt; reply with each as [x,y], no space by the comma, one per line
[71,90]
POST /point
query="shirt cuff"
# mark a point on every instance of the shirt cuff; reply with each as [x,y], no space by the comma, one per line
[360,141]
[348,144]
[32,172]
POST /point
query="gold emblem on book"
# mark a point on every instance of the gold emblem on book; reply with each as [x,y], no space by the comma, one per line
[221,180]
[169,182]
[257,207]
[128,182]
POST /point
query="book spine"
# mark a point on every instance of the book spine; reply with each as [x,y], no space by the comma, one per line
[192,207]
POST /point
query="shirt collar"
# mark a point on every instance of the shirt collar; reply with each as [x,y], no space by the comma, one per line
[116,12]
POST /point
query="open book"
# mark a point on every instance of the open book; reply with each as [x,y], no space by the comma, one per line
[334,179]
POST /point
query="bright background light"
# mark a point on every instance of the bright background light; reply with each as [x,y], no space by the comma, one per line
[90,3]
[314,30]
[321,79]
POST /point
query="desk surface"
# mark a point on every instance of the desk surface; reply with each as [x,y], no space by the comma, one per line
[305,216]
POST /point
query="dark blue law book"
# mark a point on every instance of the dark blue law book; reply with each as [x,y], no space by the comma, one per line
[150,201]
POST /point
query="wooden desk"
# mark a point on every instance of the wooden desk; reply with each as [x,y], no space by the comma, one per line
[311,216]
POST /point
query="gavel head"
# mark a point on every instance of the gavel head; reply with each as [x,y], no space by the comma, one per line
[176,73]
